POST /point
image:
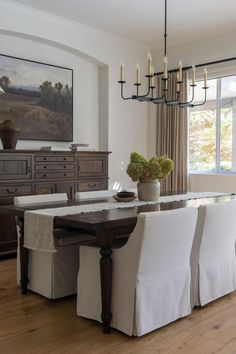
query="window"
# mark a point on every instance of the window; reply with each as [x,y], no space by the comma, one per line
[212,128]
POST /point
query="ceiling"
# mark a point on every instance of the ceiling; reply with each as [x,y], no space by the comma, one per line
[143,20]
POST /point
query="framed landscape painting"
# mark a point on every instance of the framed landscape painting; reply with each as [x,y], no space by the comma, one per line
[38,97]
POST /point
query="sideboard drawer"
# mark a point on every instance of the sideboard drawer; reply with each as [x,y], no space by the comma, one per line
[54,158]
[49,175]
[92,185]
[54,167]
[14,190]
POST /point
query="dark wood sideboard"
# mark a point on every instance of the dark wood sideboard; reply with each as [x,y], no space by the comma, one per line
[27,172]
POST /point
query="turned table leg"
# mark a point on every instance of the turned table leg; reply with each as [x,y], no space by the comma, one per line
[24,260]
[106,285]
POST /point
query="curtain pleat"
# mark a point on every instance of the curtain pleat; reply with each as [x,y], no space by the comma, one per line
[172,135]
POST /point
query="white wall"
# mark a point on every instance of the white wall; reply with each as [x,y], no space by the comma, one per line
[212,183]
[90,52]
[205,50]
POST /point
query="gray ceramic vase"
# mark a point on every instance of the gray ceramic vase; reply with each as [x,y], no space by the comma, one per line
[149,190]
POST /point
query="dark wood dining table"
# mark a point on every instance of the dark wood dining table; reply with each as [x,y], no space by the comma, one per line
[107,227]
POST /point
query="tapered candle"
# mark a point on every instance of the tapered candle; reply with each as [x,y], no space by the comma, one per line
[149,62]
[205,77]
[137,74]
[165,71]
[177,82]
[122,71]
[180,71]
[152,84]
[193,74]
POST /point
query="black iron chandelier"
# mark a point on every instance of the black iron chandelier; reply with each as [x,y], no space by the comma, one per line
[163,82]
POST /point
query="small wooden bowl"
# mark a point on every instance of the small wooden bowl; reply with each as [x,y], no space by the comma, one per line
[124,199]
[125,194]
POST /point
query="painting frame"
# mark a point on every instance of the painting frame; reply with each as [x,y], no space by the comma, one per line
[57,114]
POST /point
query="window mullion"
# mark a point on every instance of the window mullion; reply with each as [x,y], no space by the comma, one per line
[234,136]
[218,124]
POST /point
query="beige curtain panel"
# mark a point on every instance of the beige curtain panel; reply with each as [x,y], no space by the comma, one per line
[172,135]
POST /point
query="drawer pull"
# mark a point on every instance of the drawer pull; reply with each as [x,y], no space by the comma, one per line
[65,159]
[45,175]
[11,191]
[64,166]
[45,159]
[44,166]
[65,174]
[92,185]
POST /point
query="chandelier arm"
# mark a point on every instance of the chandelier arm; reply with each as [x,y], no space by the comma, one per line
[159,98]
[202,103]
[162,98]
[183,104]
[155,100]
[174,102]
[149,89]
[122,90]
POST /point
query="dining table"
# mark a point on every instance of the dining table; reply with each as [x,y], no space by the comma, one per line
[108,227]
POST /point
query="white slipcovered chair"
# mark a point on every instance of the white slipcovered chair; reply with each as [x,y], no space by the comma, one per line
[53,275]
[151,274]
[94,194]
[213,260]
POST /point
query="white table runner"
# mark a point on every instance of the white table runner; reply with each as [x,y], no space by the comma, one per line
[38,227]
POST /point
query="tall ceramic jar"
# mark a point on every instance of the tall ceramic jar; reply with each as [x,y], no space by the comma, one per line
[149,190]
[9,134]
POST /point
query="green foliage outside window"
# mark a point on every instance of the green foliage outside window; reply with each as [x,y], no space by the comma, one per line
[202,140]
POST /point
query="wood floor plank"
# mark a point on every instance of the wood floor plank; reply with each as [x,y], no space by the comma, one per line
[33,324]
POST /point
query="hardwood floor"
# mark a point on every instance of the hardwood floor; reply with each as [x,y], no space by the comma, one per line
[32,324]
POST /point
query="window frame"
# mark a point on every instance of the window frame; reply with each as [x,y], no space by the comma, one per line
[217,170]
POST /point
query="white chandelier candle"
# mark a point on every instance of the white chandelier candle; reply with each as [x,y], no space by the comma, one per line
[177,83]
[193,74]
[149,62]
[165,72]
[180,71]
[152,83]
[205,77]
[138,81]
[122,71]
